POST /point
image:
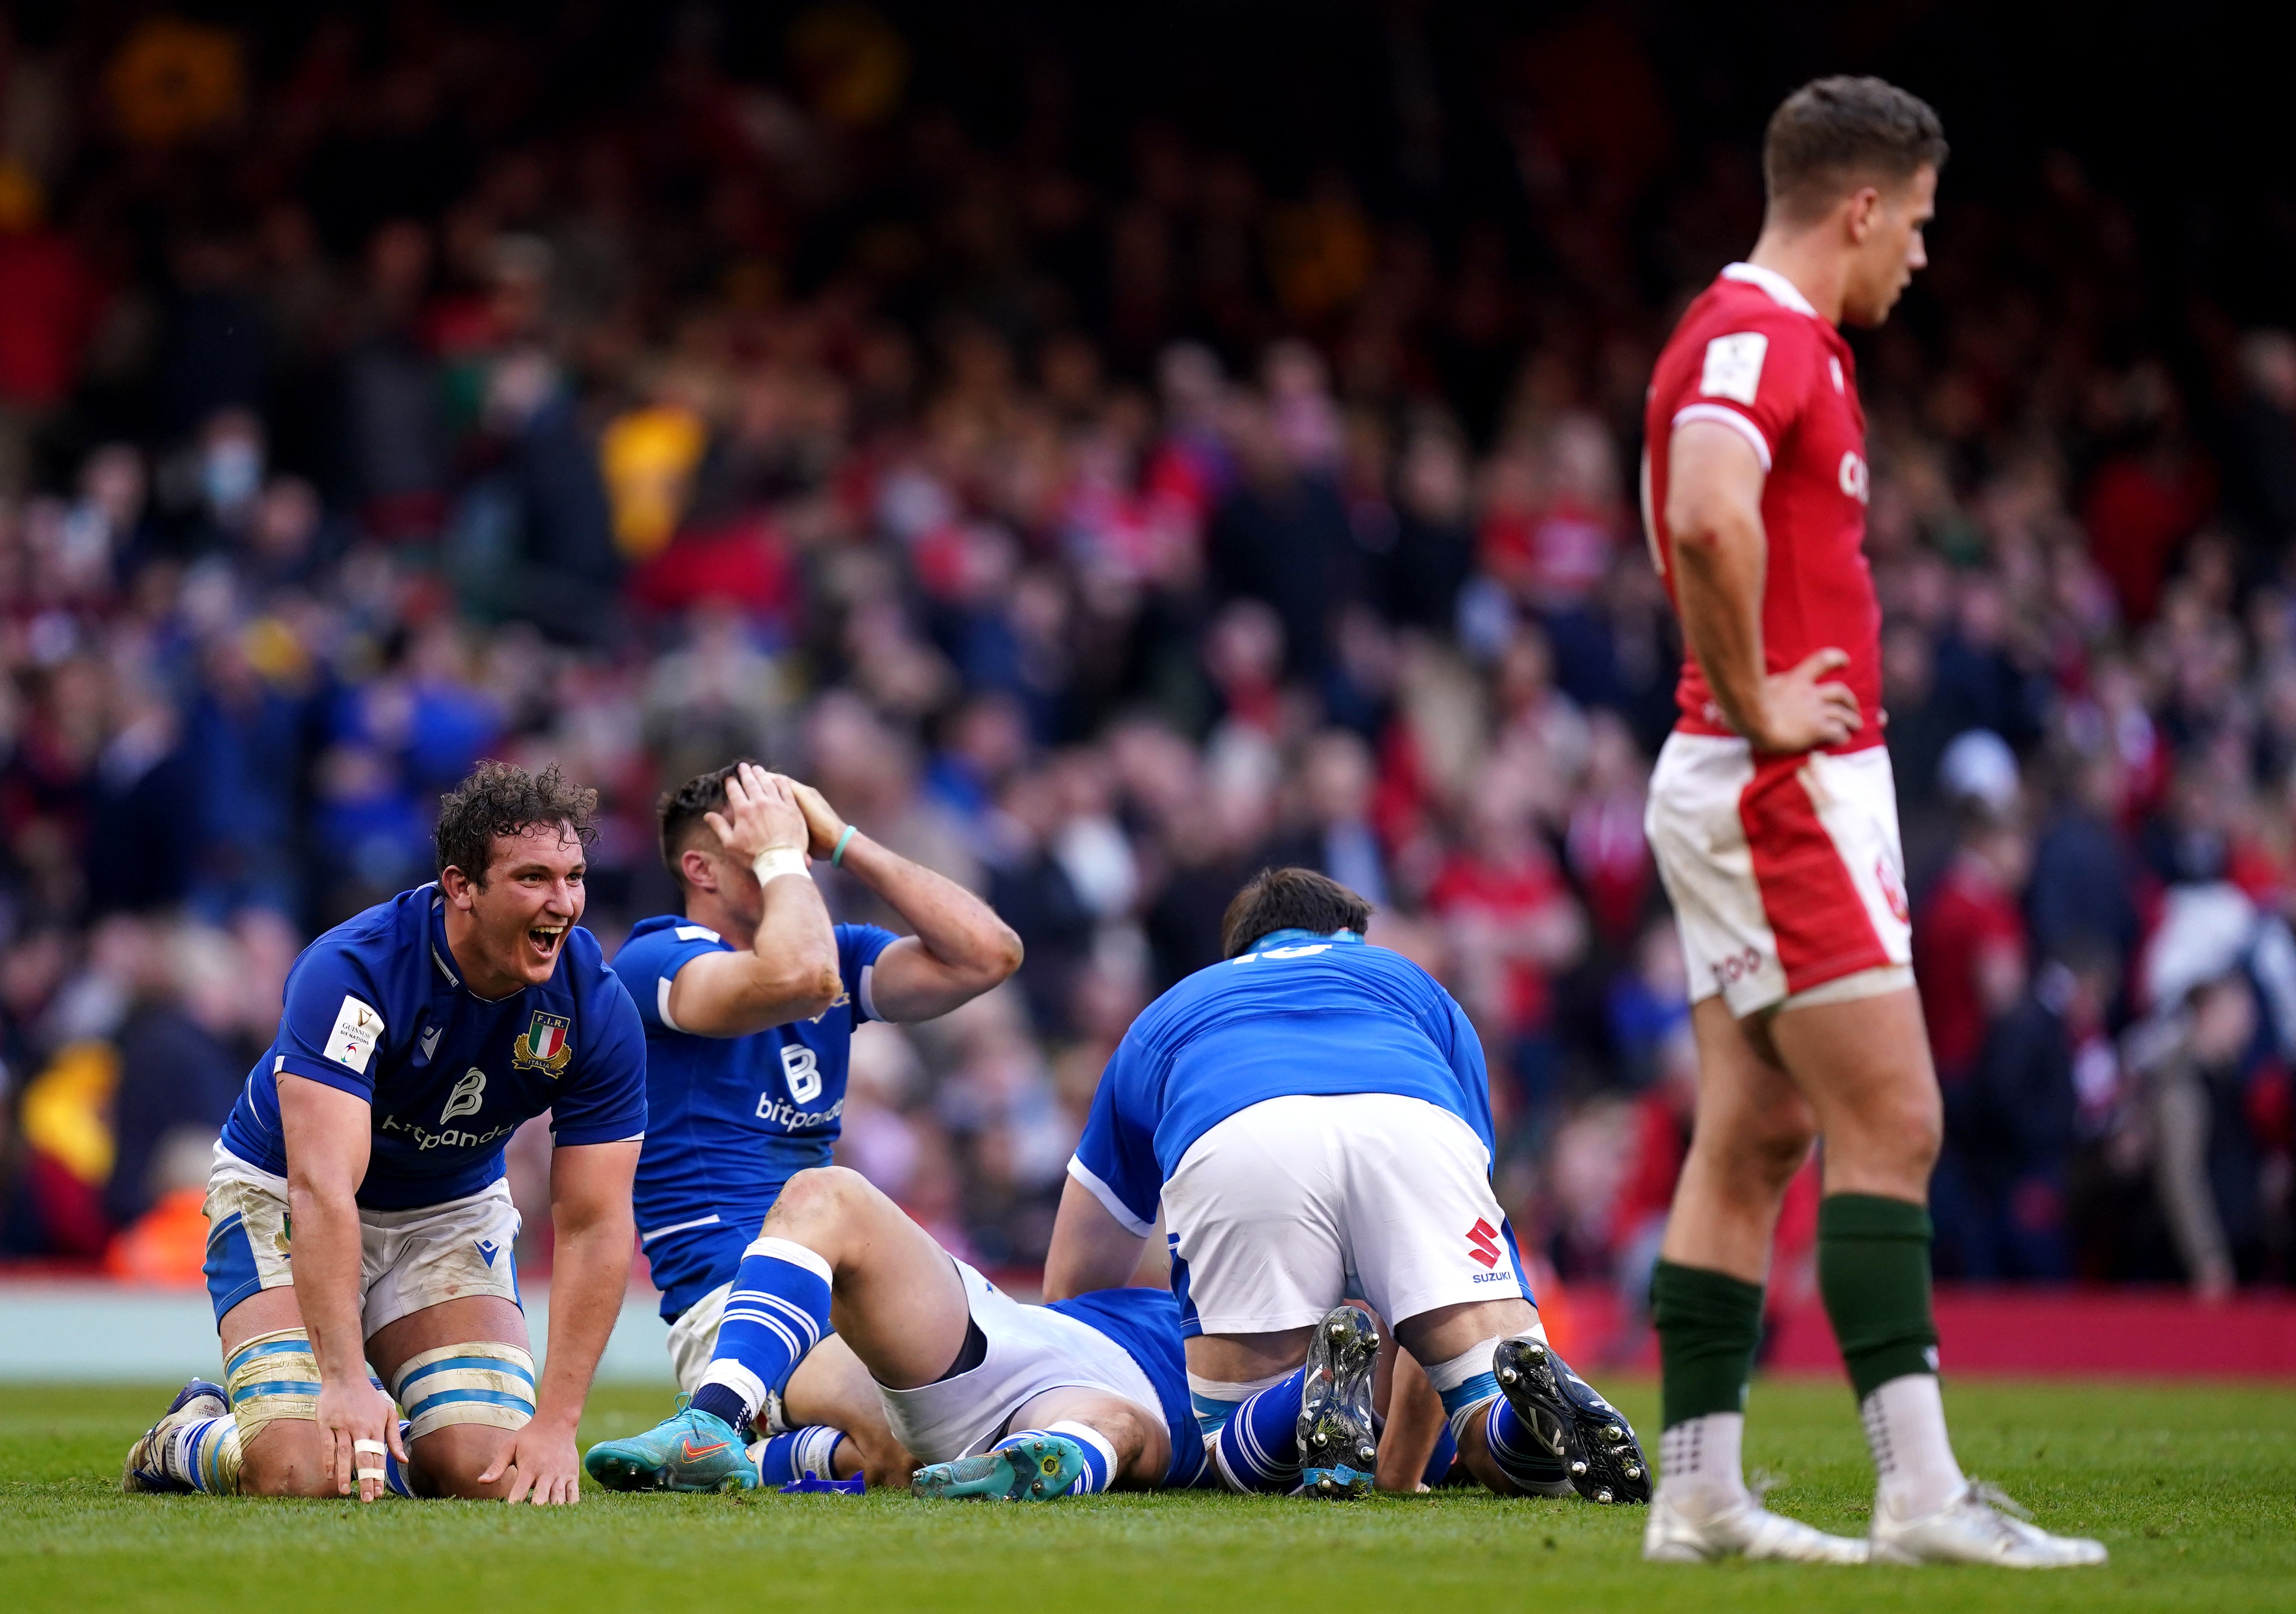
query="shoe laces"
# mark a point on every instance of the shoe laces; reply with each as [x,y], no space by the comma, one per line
[1993,1497]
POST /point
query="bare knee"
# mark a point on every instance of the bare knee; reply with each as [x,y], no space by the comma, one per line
[286,1458]
[451,1459]
[819,1194]
[1757,1150]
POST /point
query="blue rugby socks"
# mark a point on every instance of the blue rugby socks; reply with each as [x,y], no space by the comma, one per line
[1257,1447]
[205,1456]
[786,1458]
[777,1311]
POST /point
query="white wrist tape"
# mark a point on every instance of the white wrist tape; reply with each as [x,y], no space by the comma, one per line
[775,861]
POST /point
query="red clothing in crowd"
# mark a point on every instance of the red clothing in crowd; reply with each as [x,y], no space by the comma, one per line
[1967,920]
[1505,895]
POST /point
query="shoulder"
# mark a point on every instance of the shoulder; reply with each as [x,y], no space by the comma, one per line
[655,942]
[375,947]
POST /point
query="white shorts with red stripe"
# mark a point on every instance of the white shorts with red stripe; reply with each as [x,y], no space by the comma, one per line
[1787,874]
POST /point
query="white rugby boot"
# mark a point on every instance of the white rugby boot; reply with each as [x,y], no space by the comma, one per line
[1979,1525]
[1744,1528]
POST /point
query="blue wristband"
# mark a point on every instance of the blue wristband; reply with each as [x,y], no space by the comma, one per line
[837,858]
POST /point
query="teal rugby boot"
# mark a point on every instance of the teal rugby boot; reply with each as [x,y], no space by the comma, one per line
[1035,1470]
[1338,1450]
[688,1451]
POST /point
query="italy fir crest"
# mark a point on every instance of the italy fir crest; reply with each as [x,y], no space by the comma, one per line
[543,1045]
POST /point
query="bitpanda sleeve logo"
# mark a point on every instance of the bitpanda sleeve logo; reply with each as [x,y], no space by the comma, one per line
[358,1029]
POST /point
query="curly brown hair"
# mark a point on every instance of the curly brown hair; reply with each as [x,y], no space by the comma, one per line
[501,799]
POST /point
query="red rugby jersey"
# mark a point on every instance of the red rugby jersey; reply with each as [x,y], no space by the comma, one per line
[1752,354]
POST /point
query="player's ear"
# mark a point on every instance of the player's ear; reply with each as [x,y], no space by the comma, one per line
[1864,212]
[456,887]
[695,867]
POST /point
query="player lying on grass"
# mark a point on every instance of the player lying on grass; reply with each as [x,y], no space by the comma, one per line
[1775,824]
[1313,1117]
[357,1214]
[750,998]
[996,1399]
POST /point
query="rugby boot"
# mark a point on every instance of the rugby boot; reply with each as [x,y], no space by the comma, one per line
[1035,1468]
[145,1470]
[688,1451]
[1744,1528]
[1979,1525]
[1593,1439]
[1338,1450]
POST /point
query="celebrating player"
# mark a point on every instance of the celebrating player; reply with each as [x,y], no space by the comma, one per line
[357,1212]
[750,999]
[1314,1117]
[1774,822]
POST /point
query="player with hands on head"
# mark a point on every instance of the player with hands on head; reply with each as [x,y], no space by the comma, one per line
[749,997]
[358,1215]
[1774,820]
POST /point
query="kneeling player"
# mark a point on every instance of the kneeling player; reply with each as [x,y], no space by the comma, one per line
[996,1399]
[357,1212]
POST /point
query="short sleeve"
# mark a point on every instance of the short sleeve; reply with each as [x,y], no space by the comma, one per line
[1115,1160]
[331,1025]
[857,947]
[1754,380]
[604,1100]
[647,965]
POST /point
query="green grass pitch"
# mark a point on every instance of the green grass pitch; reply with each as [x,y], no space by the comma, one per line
[2194,1490]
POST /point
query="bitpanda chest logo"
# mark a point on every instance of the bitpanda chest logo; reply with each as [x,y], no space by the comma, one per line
[468,1098]
[543,1045]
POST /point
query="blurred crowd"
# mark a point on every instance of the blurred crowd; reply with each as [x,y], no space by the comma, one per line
[376,396]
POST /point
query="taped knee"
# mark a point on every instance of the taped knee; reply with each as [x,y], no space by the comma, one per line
[271,1377]
[485,1382]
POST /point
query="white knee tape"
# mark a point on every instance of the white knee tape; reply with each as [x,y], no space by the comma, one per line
[485,1381]
[272,1376]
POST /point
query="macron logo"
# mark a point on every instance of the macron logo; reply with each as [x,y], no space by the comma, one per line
[1483,1243]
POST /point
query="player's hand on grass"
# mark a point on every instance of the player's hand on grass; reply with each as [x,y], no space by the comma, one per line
[1803,710]
[760,815]
[542,1465]
[821,820]
[351,1412]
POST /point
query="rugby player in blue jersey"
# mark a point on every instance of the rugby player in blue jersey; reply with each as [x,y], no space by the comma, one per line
[357,1214]
[996,1399]
[750,998]
[1312,1116]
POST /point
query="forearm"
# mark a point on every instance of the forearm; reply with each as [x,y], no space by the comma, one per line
[1719,574]
[959,929]
[326,1224]
[1090,1249]
[795,948]
[591,1271]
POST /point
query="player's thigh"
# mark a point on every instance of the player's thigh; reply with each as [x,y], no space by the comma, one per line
[1244,1358]
[1437,1336]
[282,1453]
[833,1386]
[896,1300]
[1423,1230]
[462,1372]
[1865,1065]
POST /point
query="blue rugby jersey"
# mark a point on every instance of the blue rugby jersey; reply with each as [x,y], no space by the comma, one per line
[1146,1323]
[1301,1014]
[732,1117]
[377,1008]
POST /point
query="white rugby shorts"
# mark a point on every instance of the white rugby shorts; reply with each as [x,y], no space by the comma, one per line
[1287,1208]
[1031,1349]
[408,1259]
[1787,874]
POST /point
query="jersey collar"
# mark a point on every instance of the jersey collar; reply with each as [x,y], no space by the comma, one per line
[1292,939]
[1780,290]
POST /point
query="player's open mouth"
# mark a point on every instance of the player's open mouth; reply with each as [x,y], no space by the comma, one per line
[544,939]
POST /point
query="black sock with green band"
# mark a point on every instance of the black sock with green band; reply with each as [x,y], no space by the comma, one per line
[1709,1325]
[1874,1270]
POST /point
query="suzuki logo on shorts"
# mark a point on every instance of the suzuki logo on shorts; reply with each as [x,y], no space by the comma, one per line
[469,1096]
[1483,1243]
